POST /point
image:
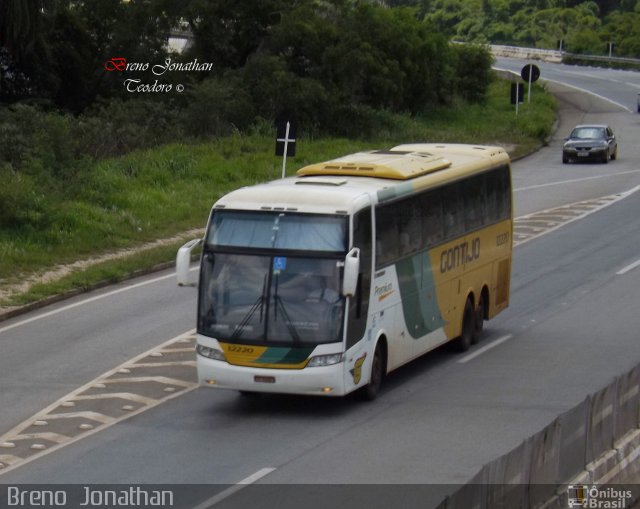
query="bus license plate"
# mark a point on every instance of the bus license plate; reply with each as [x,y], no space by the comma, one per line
[264,379]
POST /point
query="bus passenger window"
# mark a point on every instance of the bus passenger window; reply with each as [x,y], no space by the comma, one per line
[432,219]
[504,194]
[493,209]
[410,237]
[387,241]
[453,216]
[474,206]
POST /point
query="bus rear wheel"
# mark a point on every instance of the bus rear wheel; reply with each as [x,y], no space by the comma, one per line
[479,320]
[468,327]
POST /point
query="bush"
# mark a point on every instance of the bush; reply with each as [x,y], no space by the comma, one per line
[218,107]
[117,127]
[279,93]
[23,204]
[473,71]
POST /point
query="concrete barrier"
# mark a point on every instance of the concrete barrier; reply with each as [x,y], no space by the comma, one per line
[527,53]
[591,452]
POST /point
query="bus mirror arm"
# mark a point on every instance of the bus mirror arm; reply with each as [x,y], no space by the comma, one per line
[183,260]
[351,269]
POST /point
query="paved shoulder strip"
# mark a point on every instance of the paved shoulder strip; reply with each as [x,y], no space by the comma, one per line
[531,226]
[141,383]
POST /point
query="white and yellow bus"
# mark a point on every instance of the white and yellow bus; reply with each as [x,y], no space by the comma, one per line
[323,283]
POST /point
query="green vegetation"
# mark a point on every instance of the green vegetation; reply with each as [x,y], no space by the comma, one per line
[585,27]
[319,60]
[153,193]
[88,167]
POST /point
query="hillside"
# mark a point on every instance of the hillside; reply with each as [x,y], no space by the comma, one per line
[583,27]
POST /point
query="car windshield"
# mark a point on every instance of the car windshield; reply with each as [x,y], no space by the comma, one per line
[265,299]
[588,133]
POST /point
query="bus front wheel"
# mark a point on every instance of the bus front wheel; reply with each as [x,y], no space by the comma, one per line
[372,389]
[468,327]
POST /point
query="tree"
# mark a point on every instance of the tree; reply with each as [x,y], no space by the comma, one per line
[24,53]
[228,32]
[21,24]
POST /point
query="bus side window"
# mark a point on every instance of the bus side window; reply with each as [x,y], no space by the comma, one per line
[453,213]
[498,195]
[474,203]
[387,233]
[410,238]
[504,193]
[432,218]
[492,197]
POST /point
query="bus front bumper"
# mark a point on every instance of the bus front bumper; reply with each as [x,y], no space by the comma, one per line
[315,381]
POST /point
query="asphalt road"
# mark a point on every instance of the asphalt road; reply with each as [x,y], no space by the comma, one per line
[572,326]
[616,86]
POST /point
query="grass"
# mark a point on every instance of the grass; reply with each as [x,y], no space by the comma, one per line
[146,195]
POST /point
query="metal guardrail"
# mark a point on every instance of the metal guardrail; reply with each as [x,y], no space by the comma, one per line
[599,58]
[556,55]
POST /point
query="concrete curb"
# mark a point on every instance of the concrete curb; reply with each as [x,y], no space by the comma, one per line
[6,315]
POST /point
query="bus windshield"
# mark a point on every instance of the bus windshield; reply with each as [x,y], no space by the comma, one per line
[265,299]
[278,230]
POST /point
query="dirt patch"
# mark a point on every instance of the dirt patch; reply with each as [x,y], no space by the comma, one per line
[9,290]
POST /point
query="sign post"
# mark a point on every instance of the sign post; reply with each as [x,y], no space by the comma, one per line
[530,73]
[516,94]
[285,142]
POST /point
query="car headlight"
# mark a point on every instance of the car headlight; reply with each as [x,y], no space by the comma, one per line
[325,360]
[211,353]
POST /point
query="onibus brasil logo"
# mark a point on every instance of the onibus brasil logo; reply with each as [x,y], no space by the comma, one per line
[592,496]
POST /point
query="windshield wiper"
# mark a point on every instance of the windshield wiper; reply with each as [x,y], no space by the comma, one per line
[258,304]
[287,320]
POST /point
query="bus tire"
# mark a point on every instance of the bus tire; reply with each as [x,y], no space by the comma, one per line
[479,320]
[372,389]
[468,327]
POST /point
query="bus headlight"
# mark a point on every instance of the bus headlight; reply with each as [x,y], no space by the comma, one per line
[325,360]
[211,353]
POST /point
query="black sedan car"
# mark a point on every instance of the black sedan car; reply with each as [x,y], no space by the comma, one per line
[589,142]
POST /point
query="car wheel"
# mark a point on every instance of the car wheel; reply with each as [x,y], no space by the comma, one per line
[614,156]
[605,158]
[565,159]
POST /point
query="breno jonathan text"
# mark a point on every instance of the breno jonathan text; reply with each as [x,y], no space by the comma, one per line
[87,496]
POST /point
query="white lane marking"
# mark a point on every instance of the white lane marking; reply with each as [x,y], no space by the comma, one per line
[235,488]
[591,93]
[87,301]
[573,181]
[628,268]
[486,348]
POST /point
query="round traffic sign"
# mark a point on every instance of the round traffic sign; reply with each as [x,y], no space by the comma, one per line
[530,73]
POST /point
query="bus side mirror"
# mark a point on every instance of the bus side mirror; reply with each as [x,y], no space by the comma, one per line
[183,260]
[351,269]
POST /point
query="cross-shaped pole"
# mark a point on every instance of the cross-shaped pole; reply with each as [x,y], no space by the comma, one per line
[286,141]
